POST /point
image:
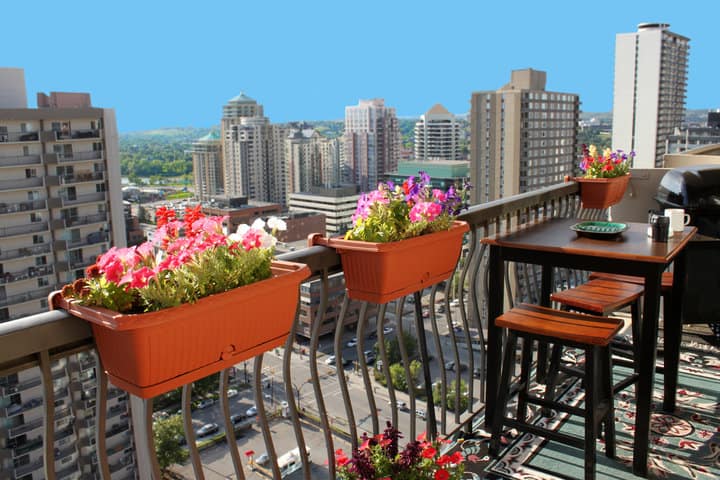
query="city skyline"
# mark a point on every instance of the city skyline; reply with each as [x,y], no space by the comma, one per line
[307,62]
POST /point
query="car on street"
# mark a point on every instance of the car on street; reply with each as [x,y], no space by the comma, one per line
[232,393]
[451,366]
[420,413]
[207,429]
[262,459]
[387,330]
[205,403]
[330,360]
[402,406]
[369,356]
[252,411]
[352,342]
[238,418]
[477,372]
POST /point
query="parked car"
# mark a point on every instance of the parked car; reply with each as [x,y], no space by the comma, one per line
[208,429]
[232,392]
[420,413]
[238,418]
[205,403]
[262,459]
[330,360]
[387,330]
[402,406]
[352,342]
[252,411]
[451,366]
[369,356]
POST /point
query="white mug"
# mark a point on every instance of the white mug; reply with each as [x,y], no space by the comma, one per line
[678,219]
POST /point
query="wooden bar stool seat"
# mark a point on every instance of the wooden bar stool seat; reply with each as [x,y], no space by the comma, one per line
[667,279]
[592,334]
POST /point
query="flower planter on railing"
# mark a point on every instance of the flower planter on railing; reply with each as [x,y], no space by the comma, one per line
[152,353]
[382,272]
[602,192]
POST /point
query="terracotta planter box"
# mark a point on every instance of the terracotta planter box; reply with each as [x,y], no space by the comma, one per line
[602,192]
[381,272]
[152,353]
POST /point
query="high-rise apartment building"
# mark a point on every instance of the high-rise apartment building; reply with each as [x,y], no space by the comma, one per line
[208,166]
[60,207]
[437,135]
[313,160]
[253,152]
[372,142]
[60,199]
[649,95]
[522,137]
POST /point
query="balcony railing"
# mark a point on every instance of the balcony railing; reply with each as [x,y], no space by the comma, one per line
[25,297]
[34,227]
[23,206]
[20,183]
[338,423]
[26,274]
[19,137]
[39,249]
[66,200]
[19,160]
[77,134]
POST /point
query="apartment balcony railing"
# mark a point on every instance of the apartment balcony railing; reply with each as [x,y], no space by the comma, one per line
[34,227]
[77,134]
[21,183]
[92,238]
[20,160]
[25,297]
[28,206]
[26,274]
[79,177]
[66,200]
[9,137]
[59,334]
[40,249]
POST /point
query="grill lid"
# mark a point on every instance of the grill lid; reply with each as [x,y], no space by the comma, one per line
[694,188]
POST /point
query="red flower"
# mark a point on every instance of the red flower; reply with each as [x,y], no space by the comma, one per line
[443,460]
[442,474]
[429,452]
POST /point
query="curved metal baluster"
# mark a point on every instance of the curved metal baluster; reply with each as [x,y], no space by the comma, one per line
[264,426]
[340,368]
[476,287]
[360,333]
[229,427]
[456,353]
[406,360]
[49,414]
[317,389]
[287,377]
[441,360]
[466,327]
[425,358]
[386,366]
[189,432]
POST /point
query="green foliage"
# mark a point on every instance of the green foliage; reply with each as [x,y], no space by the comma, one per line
[450,395]
[166,435]
[392,348]
[158,153]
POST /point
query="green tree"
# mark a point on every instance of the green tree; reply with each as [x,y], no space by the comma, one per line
[392,348]
[450,395]
[166,435]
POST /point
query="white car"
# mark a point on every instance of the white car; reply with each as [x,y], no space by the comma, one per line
[330,360]
[387,330]
[208,429]
[205,403]
[232,393]
[352,343]
[252,411]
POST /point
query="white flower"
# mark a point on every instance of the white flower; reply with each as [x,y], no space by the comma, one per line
[276,223]
[258,224]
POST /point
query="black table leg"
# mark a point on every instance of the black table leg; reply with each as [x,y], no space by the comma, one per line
[646,370]
[673,333]
[496,292]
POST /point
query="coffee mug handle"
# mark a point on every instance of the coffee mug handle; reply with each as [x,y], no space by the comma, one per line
[686,219]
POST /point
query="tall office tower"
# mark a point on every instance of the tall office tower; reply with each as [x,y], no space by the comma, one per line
[437,135]
[60,207]
[253,152]
[650,84]
[372,142]
[60,199]
[208,166]
[313,160]
[522,137]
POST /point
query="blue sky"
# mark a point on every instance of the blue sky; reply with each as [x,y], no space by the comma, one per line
[174,64]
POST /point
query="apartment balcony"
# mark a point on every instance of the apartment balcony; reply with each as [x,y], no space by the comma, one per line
[26,274]
[324,408]
[80,134]
[92,238]
[68,201]
[20,161]
[24,207]
[19,137]
[76,157]
[17,230]
[29,468]
[25,297]
[21,183]
[39,249]
[79,177]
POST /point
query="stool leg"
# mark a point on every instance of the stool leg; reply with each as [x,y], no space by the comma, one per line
[607,395]
[503,390]
[552,377]
[636,319]
[524,379]
[591,405]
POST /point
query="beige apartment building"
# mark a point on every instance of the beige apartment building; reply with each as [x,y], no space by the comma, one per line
[60,199]
[651,68]
[522,137]
[437,135]
[207,167]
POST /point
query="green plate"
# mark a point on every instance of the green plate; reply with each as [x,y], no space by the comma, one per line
[599,229]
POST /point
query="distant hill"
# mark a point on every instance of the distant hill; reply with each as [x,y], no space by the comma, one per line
[691,116]
[165,135]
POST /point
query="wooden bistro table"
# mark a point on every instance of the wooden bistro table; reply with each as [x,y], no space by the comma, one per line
[551,244]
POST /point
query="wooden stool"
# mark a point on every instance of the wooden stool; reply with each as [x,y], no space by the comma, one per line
[590,333]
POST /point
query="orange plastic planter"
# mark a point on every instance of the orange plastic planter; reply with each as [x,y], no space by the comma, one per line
[602,192]
[381,272]
[152,353]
